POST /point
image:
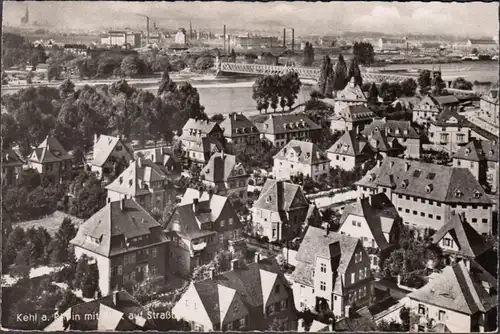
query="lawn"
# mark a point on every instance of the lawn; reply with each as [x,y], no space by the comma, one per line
[51,222]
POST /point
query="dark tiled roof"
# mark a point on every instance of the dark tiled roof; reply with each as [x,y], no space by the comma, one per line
[306,152]
[350,143]
[353,113]
[280,196]
[469,242]
[287,123]
[50,150]
[360,321]
[351,92]
[450,118]
[204,126]
[10,158]
[237,124]
[392,128]
[434,182]
[222,167]
[124,218]
[483,41]
[478,150]
[446,99]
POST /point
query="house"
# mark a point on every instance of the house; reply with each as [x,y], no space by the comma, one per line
[351,117]
[180,36]
[200,139]
[481,158]
[77,49]
[402,131]
[164,157]
[144,182]
[12,168]
[407,102]
[332,273]
[280,211]
[489,106]
[118,311]
[482,45]
[241,134]
[300,157]
[126,242]
[425,194]
[385,43]
[374,221]
[384,145]
[350,95]
[430,106]
[247,298]
[349,151]
[449,131]
[463,298]
[459,240]
[109,156]
[280,129]
[226,176]
[202,225]
[51,160]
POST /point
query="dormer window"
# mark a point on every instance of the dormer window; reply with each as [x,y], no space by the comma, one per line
[397,131]
[268,199]
[467,151]
[372,177]
[477,194]
[458,193]
[121,179]
[404,184]
[429,188]
[130,182]
[207,171]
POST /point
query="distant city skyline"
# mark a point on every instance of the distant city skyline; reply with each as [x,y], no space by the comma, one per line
[475,19]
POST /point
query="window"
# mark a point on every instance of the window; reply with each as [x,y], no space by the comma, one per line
[274,232]
[322,285]
[222,223]
[441,315]
[353,278]
[400,196]
[284,304]
[154,252]
[438,204]
[485,220]
[415,199]
[323,268]
[421,309]
[231,220]
[407,197]
[242,322]
[422,200]
[474,220]
[431,215]
[415,212]
[229,326]
[353,223]
[120,270]
[407,210]
[447,242]
[361,274]
[154,270]
[343,158]
[359,224]
[113,271]
[270,309]
[277,289]
[221,238]
[400,209]
[132,276]
[438,217]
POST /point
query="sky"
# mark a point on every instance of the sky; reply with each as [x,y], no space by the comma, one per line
[464,19]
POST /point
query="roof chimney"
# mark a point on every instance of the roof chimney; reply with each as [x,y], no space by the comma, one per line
[257,257]
[211,270]
[196,205]
[234,264]
[122,204]
[407,166]
[115,298]
[347,311]
[379,163]
[222,154]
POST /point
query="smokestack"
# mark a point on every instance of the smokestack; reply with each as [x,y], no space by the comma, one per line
[293,39]
[147,23]
[224,38]
[284,37]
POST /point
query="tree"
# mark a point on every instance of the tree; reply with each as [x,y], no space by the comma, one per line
[68,300]
[66,89]
[204,63]
[166,84]
[355,72]
[131,66]
[326,77]
[23,263]
[475,51]
[54,71]
[341,76]
[308,54]
[217,118]
[161,64]
[277,325]
[8,131]
[409,87]
[60,246]
[90,283]
[364,52]
[29,77]
[461,83]
[14,244]
[106,66]
[233,56]
[424,81]
[89,198]
[289,88]
[148,289]
[373,94]
[437,84]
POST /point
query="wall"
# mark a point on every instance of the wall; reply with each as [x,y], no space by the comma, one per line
[455,136]
[346,162]
[104,267]
[413,147]
[303,296]
[407,205]
[190,308]
[473,166]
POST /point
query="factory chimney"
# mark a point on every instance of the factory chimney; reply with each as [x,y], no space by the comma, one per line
[224,38]
[293,39]
[284,37]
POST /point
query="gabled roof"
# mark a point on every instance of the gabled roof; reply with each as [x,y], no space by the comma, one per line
[50,150]
[222,167]
[10,158]
[450,118]
[125,218]
[434,182]
[468,240]
[443,100]
[159,155]
[427,101]
[104,147]
[237,124]
[113,312]
[280,196]
[250,286]
[353,113]
[350,143]
[392,128]
[205,126]
[351,92]
[380,215]
[137,178]
[317,243]
[206,145]
[459,289]
[407,102]
[305,153]
[478,150]
[287,123]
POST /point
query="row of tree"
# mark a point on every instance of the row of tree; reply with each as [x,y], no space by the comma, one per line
[276,90]
[335,78]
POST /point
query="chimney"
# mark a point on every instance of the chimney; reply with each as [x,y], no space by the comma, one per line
[222,154]
[370,200]
[196,205]
[284,37]
[96,137]
[211,270]
[257,257]
[379,163]
[139,163]
[234,264]
[122,204]
[115,298]
[293,39]
[399,279]
[347,311]
[407,166]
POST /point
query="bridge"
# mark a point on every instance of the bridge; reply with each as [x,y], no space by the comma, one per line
[308,73]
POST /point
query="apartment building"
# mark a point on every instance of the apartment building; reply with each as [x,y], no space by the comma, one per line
[392,43]
[109,152]
[12,168]
[349,151]
[449,131]
[200,139]
[280,211]
[202,224]
[241,135]
[351,117]
[430,106]
[332,273]
[425,194]
[51,161]
[300,157]
[127,244]
[144,182]
[280,129]
[463,298]
[402,131]
[247,298]
[351,95]
[375,222]
[226,176]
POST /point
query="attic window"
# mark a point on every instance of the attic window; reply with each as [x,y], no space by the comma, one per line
[207,171]
[130,182]
[405,132]
[268,199]
[372,177]
[397,131]
[458,193]
[416,173]
[308,154]
[467,151]
[431,176]
[477,194]
[429,188]
[404,184]
[121,179]
[491,152]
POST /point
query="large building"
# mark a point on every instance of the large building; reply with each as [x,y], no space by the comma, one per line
[425,194]
[127,244]
[430,107]
[374,221]
[241,134]
[349,151]
[247,298]
[280,211]
[200,139]
[180,37]
[449,131]
[385,43]
[463,298]
[402,131]
[12,168]
[109,153]
[279,130]
[351,117]
[332,273]
[483,45]
[119,38]
[226,176]
[51,160]
[301,158]
[202,225]
[481,158]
